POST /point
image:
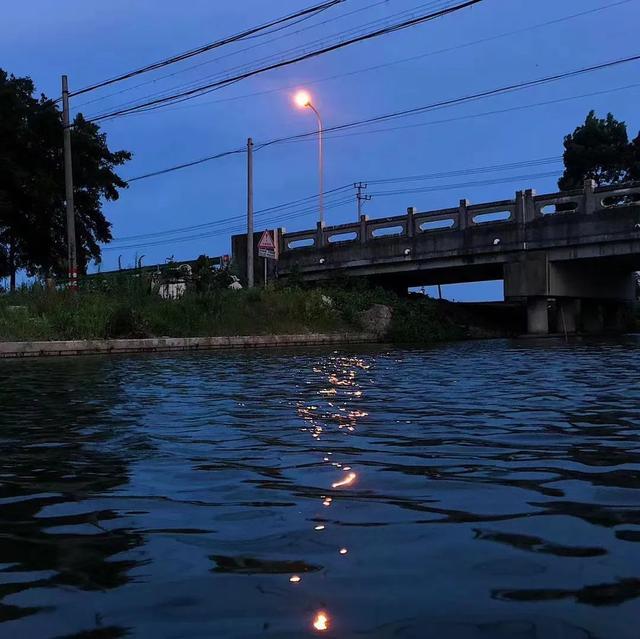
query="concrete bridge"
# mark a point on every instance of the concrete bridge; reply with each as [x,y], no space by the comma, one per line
[570,256]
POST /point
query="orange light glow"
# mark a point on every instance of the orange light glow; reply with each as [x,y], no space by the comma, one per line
[349,479]
[321,622]
[302,99]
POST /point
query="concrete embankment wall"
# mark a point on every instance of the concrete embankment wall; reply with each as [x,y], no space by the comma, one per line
[160,344]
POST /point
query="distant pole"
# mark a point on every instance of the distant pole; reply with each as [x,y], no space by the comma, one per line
[265,272]
[249,213]
[360,186]
[68,186]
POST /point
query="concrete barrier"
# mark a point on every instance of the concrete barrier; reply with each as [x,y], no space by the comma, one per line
[162,344]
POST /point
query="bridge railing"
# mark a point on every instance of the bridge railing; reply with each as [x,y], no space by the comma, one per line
[526,207]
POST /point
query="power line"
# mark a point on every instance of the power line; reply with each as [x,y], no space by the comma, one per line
[217,59]
[293,203]
[339,192]
[461,185]
[231,229]
[471,116]
[462,100]
[208,47]
[224,231]
[425,108]
[460,172]
[408,59]
[431,5]
[201,90]
[187,164]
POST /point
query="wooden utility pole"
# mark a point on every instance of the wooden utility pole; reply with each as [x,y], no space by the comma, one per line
[68,186]
[249,213]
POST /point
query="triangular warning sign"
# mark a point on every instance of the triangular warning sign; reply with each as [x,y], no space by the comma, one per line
[266,247]
[266,242]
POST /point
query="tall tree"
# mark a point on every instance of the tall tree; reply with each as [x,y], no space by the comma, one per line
[599,150]
[32,197]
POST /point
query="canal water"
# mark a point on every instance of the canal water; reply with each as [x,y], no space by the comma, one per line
[476,490]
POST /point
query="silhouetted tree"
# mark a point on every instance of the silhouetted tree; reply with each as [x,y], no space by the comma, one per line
[600,150]
[32,197]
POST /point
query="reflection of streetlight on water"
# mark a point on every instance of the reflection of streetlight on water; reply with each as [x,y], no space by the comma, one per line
[349,479]
[321,621]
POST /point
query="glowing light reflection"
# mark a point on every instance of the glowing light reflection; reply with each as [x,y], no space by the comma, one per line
[349,479]
[321,621]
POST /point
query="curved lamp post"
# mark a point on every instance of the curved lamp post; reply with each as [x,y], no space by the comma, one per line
[303,100]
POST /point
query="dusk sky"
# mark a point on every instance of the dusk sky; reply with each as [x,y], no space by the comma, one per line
[493,44]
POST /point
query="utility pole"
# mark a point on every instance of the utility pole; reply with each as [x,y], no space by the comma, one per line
[68,186]
[249,213]
[360,186]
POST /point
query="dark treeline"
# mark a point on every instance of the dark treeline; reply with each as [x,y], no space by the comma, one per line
[32,196]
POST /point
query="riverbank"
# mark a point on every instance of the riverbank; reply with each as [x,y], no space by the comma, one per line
[127,310]
[12,350]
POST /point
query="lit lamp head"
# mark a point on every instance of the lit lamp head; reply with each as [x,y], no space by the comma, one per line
[302,99]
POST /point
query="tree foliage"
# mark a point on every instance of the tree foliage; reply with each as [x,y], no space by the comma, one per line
[600,150]
[32,195]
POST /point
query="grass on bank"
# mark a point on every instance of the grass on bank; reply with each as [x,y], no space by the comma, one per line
[125,307]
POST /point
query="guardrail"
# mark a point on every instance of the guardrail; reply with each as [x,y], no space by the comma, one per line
[525,208]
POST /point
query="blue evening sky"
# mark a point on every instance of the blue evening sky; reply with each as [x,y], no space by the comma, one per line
[91,40]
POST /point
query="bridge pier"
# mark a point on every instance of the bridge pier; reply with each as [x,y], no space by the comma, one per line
[537,316]
[589,295]
[568,317]
[592,317]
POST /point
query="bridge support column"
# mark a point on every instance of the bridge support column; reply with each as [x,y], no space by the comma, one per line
[592,317]
[568,315]
[537,316]
[363,229]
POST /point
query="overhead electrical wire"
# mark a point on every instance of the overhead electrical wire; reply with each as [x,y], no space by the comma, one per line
[404,60]
[462,185]
[510,88]
[303,204]
[416,110]
[292,204]
[233,53]
[186,165]
[206,88]
[360,29]
[471,116]
[239,227]
[210,46]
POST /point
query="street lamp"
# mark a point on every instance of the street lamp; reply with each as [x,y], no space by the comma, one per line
[303,100]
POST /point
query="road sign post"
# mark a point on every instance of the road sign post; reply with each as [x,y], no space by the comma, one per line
[267,250]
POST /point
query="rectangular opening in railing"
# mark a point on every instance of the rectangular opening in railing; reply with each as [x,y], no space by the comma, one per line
[561,207]
[615,201]
[387,231]
[350,236]
[301,243]
[437,225]
[492,216]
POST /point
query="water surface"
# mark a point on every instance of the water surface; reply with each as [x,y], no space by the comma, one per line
[479,490]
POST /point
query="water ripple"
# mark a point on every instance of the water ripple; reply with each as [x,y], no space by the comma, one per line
[473,490]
